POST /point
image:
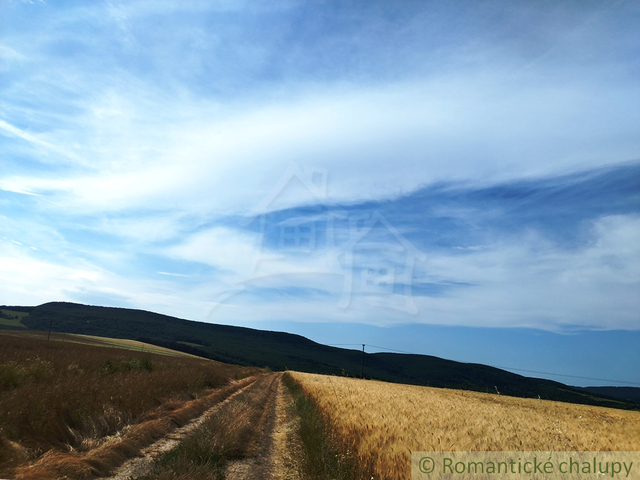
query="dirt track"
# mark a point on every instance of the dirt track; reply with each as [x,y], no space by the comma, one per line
[277,451]
[141,465]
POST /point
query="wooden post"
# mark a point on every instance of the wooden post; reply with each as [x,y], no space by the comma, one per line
[362,363]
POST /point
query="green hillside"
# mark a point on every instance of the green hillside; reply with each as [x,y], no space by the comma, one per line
[280,351]
[12,319]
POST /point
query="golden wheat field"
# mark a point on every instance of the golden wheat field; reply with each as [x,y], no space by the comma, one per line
[391,420]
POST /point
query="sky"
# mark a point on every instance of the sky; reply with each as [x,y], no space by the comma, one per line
[453,178]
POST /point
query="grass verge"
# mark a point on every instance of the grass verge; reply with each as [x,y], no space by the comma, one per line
[327,454]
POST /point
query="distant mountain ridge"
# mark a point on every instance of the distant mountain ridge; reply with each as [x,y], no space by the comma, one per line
[630,394]
[280,351]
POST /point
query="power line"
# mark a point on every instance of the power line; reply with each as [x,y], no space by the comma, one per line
[393,350]
[570,376]
[498,366]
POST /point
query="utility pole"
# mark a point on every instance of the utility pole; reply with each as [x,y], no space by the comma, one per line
[50,325]
[362,364]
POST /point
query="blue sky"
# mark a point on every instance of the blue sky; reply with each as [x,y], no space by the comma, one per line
[451,178]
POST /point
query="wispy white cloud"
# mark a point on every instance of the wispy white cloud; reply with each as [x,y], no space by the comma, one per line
[9,54]
[531,282]
[486,120]
[392,140]
[40,145]
[139,129]
[172,274]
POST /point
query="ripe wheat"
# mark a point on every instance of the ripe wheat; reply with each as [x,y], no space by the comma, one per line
[388,421]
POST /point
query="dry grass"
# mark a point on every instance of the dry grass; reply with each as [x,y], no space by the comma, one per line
[58,397]
[103,459]
[391,420]
[121,343]
[232,432]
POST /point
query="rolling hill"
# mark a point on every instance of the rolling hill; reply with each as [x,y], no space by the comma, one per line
[281,351]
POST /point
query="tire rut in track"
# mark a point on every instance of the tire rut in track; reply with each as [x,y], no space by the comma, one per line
[278,448]
[141,465]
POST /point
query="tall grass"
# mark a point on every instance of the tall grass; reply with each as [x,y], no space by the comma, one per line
[104,459]
[69,397]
